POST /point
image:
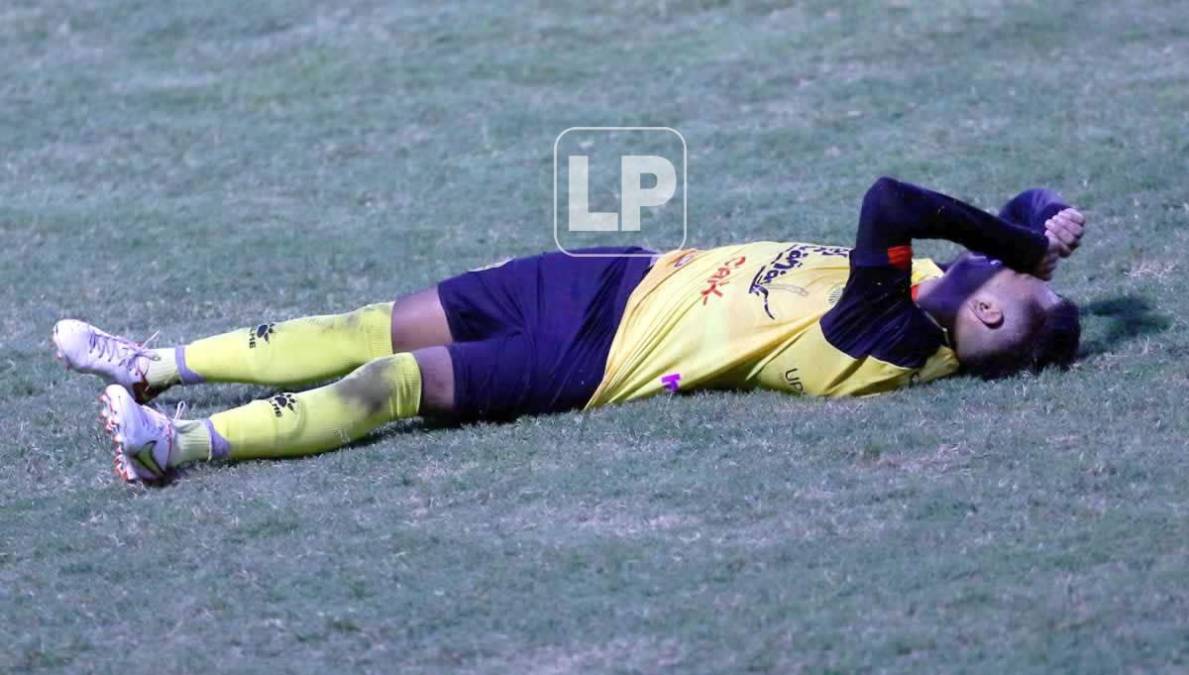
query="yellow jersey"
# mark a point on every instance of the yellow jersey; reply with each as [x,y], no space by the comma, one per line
[793,317]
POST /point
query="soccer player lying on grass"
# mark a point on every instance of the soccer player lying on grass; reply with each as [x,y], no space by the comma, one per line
[554,332]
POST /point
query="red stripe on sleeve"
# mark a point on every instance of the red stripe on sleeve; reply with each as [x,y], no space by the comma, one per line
[900,256]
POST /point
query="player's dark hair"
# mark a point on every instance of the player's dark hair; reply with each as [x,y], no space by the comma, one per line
[1052,341]
[1057,337]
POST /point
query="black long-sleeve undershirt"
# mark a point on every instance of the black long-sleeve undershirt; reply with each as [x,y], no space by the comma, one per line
[894,213]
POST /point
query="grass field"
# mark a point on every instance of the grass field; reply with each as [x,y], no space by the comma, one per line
[192,167]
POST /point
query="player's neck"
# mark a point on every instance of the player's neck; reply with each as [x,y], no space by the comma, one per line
[942,298]
[932,298]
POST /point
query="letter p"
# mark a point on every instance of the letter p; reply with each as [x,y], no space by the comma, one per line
[634,195]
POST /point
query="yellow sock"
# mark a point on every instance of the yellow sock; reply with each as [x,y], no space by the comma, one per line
[284,353]
[294,425]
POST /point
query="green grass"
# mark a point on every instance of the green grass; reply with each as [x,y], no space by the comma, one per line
[190,167]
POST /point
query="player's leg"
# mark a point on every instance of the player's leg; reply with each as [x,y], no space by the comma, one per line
[568,310]
[272,353]
[314,348]
[385,389]
[473,306]
[419,321]
[280,353]
[554,363]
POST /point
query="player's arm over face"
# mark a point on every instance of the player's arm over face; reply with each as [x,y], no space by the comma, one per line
[894,213]
[988,312]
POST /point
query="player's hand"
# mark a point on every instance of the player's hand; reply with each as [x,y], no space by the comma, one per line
[1064,232]
[1066,229]
[1048,264]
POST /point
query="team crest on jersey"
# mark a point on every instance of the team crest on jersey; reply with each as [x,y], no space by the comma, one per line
[767,277]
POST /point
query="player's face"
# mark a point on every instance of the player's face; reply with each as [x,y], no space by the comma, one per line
[968,274]
[1001,314]
[1012,284]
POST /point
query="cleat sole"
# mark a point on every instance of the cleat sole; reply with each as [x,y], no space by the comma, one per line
[117,402]
[119,461]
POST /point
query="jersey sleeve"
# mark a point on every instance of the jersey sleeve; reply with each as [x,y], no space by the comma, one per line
[894,213]
[1031,208]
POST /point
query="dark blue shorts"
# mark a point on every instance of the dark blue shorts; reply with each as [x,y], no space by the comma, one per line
[532,335]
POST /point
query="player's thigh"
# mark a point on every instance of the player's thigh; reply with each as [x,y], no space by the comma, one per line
[419,321]
[437,381]
[470,307]
[495,379]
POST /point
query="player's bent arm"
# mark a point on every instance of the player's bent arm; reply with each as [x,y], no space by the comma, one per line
[876,316]
[894,213]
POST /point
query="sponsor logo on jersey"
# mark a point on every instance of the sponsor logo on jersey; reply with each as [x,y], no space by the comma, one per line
[721,277]
[765,279]
[793,379]
[671,381]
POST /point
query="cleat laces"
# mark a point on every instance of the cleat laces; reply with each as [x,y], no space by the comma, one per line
[121,351]
[165,422]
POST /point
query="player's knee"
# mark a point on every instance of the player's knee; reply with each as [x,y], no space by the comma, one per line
[372,312]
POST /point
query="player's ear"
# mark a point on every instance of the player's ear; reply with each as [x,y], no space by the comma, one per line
[986,310]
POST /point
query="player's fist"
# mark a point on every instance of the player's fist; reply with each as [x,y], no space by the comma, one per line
[1065,231]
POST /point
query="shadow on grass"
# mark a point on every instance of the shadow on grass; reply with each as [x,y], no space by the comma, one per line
[1128,317]
[383,433]
[225,396]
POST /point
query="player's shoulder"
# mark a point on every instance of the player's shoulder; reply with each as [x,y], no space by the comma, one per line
[877,317]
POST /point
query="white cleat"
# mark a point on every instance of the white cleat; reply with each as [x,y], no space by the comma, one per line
[143,437]
[118,360]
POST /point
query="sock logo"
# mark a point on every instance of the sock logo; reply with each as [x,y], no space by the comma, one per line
[282,402]
[262,332]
